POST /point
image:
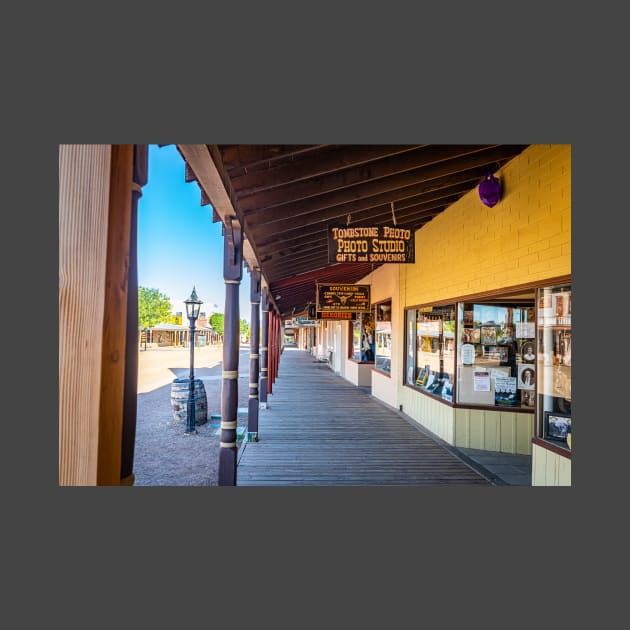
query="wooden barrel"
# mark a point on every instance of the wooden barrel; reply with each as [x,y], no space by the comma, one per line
[179,400]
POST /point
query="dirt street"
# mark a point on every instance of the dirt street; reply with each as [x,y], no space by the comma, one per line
[164,455]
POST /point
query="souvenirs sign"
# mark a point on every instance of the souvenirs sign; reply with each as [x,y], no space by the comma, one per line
[374,244]
[343,298]
[347,315]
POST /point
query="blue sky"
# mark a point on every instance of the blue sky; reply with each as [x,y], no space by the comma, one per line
[178,244]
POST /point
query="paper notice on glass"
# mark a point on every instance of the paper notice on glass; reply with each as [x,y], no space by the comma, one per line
[468,354]
[525,330]
[481,380]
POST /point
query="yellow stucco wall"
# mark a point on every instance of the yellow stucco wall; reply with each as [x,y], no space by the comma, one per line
[470,248]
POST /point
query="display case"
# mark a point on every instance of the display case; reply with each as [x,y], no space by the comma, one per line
[431,350]
[496,354]
[363,338]
[383,337]
[553,412]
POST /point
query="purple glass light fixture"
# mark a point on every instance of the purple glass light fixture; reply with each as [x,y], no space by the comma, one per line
[490,190]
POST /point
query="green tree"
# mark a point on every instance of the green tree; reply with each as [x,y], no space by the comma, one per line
[153,307]
[216,321]
[244,328]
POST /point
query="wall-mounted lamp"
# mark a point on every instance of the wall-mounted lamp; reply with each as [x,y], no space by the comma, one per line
[490,190]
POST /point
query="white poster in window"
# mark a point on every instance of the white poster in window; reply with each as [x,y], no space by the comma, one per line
[525,330]
[481,380]
[468,354]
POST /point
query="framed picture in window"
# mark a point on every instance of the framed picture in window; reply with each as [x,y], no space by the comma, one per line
[528,398]
[503,354]
[528,351]
[488,335]
[526,376]
[557,426]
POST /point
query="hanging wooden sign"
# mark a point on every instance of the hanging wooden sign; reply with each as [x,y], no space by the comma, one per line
[343,298]
[375,244]
[345,315]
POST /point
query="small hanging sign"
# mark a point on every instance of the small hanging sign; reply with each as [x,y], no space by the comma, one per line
[342,298]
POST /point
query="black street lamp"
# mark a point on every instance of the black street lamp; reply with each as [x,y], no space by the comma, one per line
[146,334]
[193,303]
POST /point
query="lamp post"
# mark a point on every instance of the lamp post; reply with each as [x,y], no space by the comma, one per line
[193,303]
[146,333]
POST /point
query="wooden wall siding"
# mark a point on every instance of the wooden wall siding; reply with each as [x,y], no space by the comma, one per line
[429,412]
[323,431]
[84,181]
[549,469]
[502,431]
[115,316]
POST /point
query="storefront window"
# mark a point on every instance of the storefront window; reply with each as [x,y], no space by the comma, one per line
[363,344]
[431,349]
[553,419]
[383,336]
[496,354]
[356,340]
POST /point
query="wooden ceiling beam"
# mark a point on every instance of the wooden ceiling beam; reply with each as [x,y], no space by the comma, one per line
[314,167]
[325,274]
[424,179]
[354,183]
[237,158]
[266,231]
[316,258]
[302,239]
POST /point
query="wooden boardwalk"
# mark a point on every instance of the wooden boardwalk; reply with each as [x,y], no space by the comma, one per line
[320,430]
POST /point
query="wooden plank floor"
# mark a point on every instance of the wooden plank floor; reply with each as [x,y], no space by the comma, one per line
[320,430]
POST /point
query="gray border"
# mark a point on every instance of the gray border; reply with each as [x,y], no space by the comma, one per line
[398,81]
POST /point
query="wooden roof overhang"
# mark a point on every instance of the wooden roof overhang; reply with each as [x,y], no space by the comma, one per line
[284,196]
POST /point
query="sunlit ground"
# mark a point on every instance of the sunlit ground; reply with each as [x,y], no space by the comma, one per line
[154,364]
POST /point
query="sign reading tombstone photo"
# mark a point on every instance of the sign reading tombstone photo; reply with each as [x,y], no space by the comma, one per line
[370,244]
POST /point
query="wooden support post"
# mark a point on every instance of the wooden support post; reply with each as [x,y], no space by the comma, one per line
[232,274]
[113,364]
[130,405]
[272,351]
[252,409]
[264,348]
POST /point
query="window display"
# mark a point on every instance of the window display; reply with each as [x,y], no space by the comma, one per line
[554,365]
[383,337]
[363,344]
[495,357]
[513,351]
[431,350]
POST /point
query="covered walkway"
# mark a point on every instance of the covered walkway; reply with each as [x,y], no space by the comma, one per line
[320,430]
